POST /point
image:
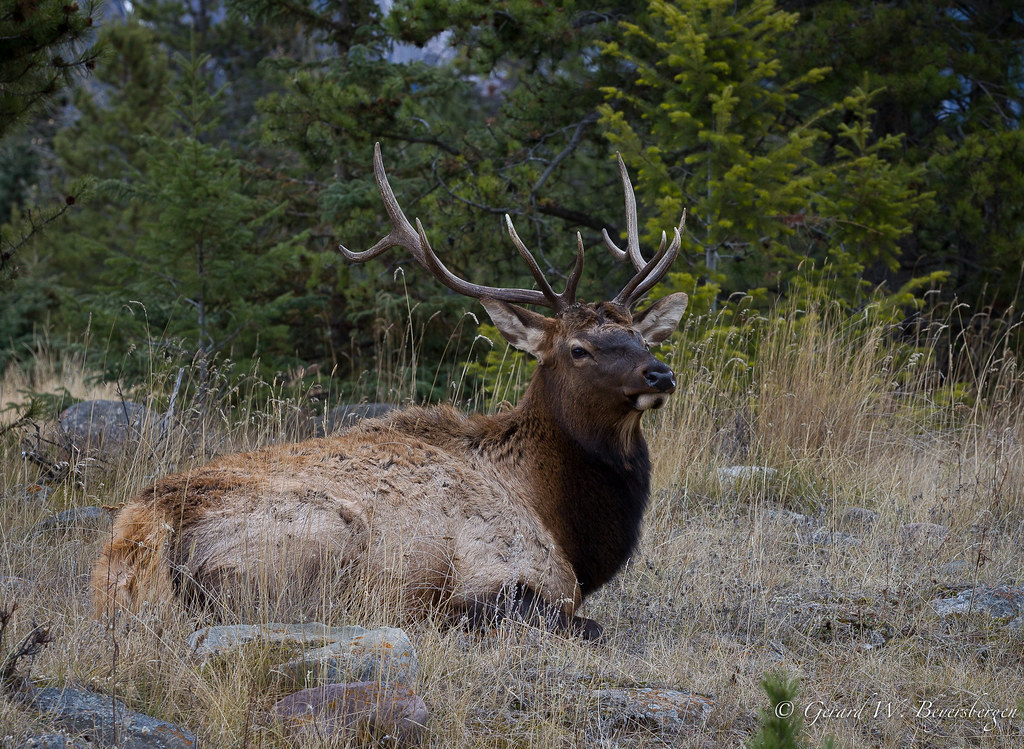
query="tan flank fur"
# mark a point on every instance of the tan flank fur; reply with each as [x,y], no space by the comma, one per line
[520,514]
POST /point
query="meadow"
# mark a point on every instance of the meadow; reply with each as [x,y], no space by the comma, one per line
[888,473]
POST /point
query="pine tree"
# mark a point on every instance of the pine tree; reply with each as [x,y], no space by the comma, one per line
[718,130]
[951,82]
[205,262]
[43,46]
[181,256]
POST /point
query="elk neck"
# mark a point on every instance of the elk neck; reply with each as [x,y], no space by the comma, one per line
[590,481]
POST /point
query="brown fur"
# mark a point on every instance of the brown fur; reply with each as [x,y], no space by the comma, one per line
[542,502]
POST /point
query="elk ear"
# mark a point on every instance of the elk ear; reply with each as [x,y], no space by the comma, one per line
[657,322]
[522,328]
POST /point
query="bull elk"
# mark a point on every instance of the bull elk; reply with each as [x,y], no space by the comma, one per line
[523,513]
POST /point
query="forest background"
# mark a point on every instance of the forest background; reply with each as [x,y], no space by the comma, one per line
[175,178]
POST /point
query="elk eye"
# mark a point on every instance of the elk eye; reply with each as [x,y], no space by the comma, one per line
[578,352]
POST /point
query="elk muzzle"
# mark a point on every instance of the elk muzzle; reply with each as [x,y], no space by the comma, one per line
[659,381]
[660,377]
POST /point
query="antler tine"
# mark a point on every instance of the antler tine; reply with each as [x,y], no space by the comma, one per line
[632,250]
[404,235]
[531,262]
[574,278]
[433,263]
[655,270]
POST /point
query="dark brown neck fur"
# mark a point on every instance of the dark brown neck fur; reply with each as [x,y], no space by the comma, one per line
[590,493]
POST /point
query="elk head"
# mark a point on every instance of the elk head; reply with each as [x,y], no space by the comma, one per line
[595,366]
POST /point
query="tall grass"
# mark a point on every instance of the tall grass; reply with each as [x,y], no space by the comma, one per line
[919,423]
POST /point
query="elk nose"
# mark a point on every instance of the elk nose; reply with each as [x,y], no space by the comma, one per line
[659,377]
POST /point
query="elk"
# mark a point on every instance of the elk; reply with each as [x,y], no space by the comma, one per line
[519,514]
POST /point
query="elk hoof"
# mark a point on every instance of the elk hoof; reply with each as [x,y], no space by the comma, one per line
[587,629]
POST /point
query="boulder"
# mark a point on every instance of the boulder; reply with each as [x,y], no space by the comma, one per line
[107,722]
[825,537]
[35,494]
[361,712]
[322,654]
[659,709]
[75,519]
[731,475]
[857,520]
[787,517]
[106,427]
[1004,603]
[49,741]
[16,586]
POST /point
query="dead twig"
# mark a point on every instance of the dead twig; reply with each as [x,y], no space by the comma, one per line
[30,646]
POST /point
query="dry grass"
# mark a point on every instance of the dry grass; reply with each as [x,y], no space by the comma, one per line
[722,591]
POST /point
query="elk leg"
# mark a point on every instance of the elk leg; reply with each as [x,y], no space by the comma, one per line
[522,604]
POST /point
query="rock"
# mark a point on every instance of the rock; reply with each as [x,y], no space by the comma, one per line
[106,427]
[355,711]
[36,494]
[49,741]
[661,709]
[347,414]
[108,722]
[825,537]
[787,517]
[923,534]
[381,656]
[384,655]
[857,520]
[16,586]
[1004,603]
[731,475]
[77,518]
[956,568]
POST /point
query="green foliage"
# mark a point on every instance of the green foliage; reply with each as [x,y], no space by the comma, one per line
[716,128]
[42,46]
[782,723]
[181,256]
[205,262]
[950,83]
[29,301]
[221,158]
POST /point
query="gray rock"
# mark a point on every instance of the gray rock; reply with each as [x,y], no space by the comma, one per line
[956,568]
[35,494]
[825,537]
[383,656]
[787,517]
[77,518]
[923,534]
[357,712]
[106,427]
[347,414]
[49,741]
[108,722]
[661,709]
[857,520]
[324,654]
[731,475]
[17,586]
[1004,603]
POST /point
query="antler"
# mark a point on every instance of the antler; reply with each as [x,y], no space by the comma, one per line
[402,234]
[648,273]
